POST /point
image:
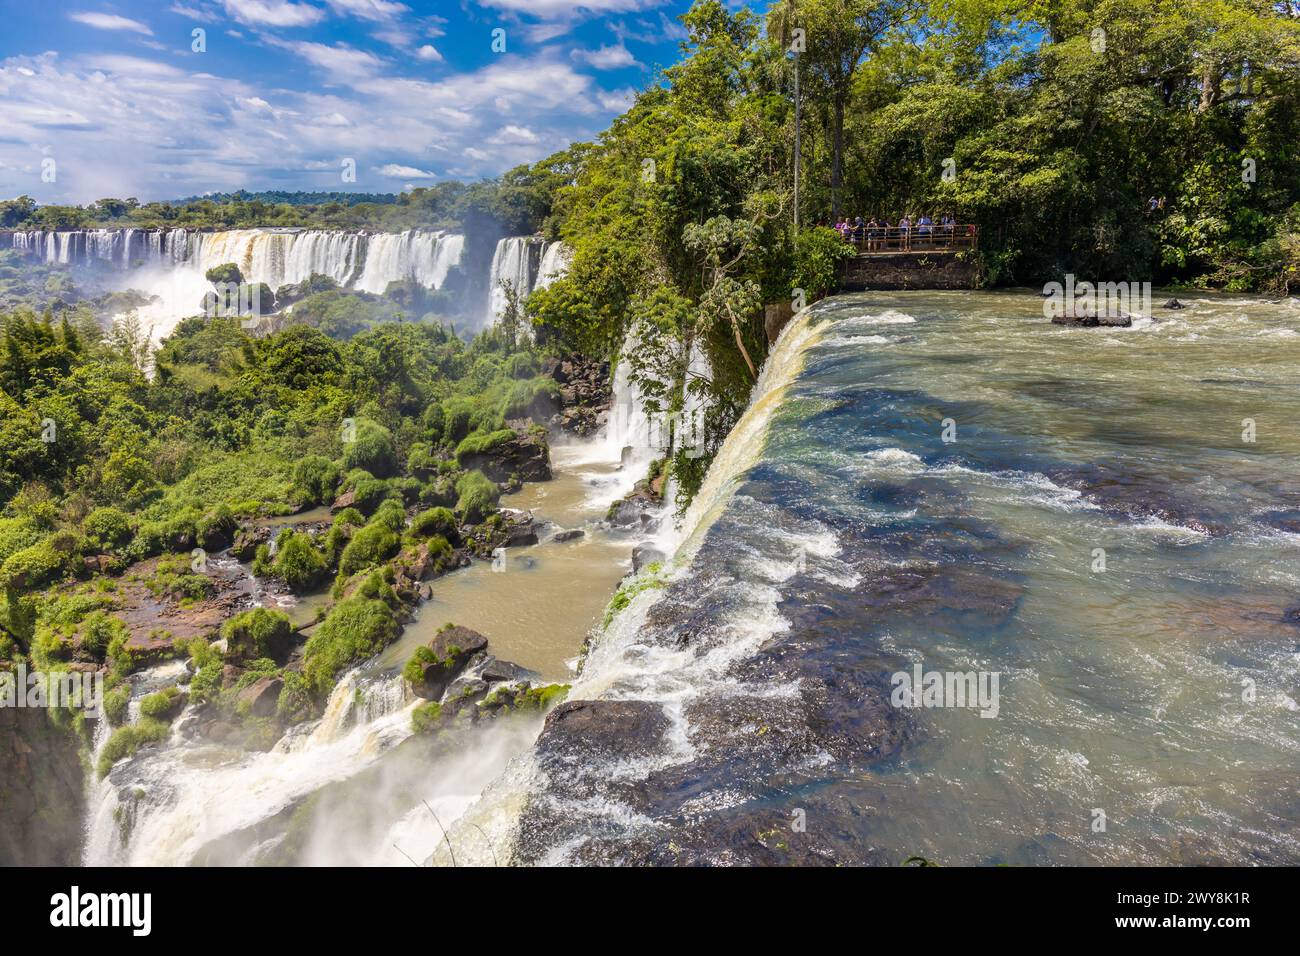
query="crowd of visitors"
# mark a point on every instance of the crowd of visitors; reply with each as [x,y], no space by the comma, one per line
[881,233]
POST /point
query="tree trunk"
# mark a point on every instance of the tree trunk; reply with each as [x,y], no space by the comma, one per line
[837,156]
[1211,82]
[740,344]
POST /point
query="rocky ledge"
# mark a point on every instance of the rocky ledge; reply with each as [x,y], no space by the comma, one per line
[584,393]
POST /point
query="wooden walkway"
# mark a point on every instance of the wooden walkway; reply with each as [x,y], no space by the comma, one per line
[880,241]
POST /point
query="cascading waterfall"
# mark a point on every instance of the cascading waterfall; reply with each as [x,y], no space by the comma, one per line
[556,257]
[409,255]
[514,262]
[617,657]
[164,806]
[363,261]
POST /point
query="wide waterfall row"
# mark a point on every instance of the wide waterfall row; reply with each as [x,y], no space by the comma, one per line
[275,256]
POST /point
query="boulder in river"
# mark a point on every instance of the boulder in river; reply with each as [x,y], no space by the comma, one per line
[1085,319]
[1173,304]
[435,665]
[262,696]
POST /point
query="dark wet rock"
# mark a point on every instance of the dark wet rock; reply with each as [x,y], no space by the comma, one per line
[584,393]
[1288,520]
[462,698]
[569,534]
[1121,488]
[1083,318]
[643,555]
[599,729]
[345,500]
[521,535]
[495,671]
[453,648]
[42,786]
[262,696]
[1173,304]
[807,829]
[526,457]
[635,510]
[247,540]
[1292,615]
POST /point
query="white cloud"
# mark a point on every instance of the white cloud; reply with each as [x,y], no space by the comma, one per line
[429,54]
[274,13]
[607,57]
[616,101]
[194,13]
[111,21]
[368,9]
[395,171]
[139,126]
[550,9]
[341,60]
[514,134]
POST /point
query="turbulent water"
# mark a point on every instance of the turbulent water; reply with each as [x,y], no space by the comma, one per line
[1099,530]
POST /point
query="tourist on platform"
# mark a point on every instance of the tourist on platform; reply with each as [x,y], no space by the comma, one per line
[925,226]
[873,233]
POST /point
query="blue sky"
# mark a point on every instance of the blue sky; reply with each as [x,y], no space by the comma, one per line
[287,90]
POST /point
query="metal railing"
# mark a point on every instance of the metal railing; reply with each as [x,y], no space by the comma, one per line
[868,239]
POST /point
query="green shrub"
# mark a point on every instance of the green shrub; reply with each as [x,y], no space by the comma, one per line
[297,562]
[435,521]
[355,629]
[413,670]
[33,567]
[116,702]
[369,546]
[481,443]
[391,515]
[316,478]
[107,528]
[215,529]
[126,741]
[163,705]
[255,633]
[426,717]
[371,449]
[370,493]
[295,703]
[478,497]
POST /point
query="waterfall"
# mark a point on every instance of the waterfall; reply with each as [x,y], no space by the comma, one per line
[367,262]
[413,255]
[623,662]
[515,262]
[556,257]
[170,265]
[164,805]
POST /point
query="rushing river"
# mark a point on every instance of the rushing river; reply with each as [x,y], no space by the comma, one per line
[1105,520]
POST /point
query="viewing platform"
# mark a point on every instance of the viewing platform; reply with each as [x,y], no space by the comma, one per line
[893,259]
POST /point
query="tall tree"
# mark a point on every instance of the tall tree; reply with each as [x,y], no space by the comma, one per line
[838,34]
